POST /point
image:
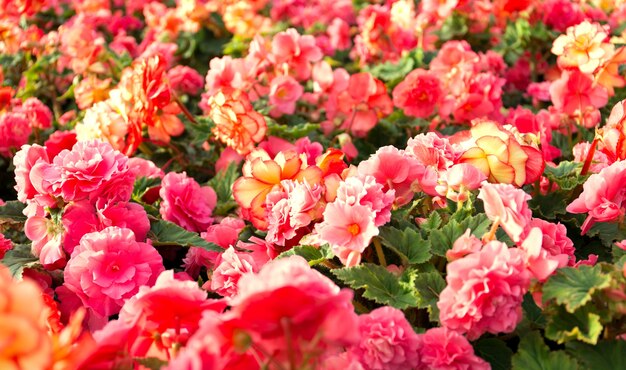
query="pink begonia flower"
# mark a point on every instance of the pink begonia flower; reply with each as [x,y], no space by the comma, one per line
[284,93]
[348,230]
[342,361]
[166,314]
[296,52]
[364,190]
[444,349]
[539,261]
[387,341]
[298,312]
[464,245]
[508,205]
[339,34]
[603,196]
[185,80]
[90,170]
[394,169]
[418,94]
[186,203]
[109,266]
[14,132]
[37,113]
[5,245]
[621,244]
[291,209]
[58,141]
[144,168]
[80,218]
[599,160]
[223,234]
[459,180]
[228,157]
[554,240]
[113,343]
[230,266]
[46,236]
[574,91]
[24,160]
[485,291]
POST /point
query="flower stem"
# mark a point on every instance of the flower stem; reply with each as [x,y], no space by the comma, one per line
[379,252]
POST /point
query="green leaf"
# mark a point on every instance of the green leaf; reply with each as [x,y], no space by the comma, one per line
[429,285]
[12,212]
[574,287]
[381,285]
[550,205]
[290,132]
[151,363]
[200,131]
[533,354]
[604,355]
[165,233]
[582,325]
[314,255]
[18,258]
[495,352]
[408,244]
[393,71]
[443,239]
[432,222]
[608,232]
[142,185]
[566,175]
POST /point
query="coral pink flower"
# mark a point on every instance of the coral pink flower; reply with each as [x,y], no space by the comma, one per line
[418,94]
[108,267]
[46,236]
[228,157]
[508,205]
[555,241]
[237,124]
[459,180]
[166,315]
[485,291]
[387,341]
[295,52]
[574,91]
[444,349]
[58,141]
[230,266]
[226,72]
[348,229]
[603,196]
[144,168]
[23,331]
[364,190]
[88,171]
[36,112]
[394,169]
[186,203]
[584,46]
[14,132]
[284,93]
[561,14]
[298,312]
[464,245]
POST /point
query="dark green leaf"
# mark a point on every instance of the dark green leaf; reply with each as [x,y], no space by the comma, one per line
[12,212]
[381,285]
[429,285]
[533,354]
[314,255]
[604,355]
[583,325]
[574,287]
[18,258]
[495,352]
[290,132]
[443,239]
[566,175]
[151,363]
[142,185]
[550,205]
[164,233]
[408,244]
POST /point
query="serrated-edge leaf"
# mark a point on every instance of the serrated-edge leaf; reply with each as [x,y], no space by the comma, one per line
[533,354]
[12,211]
[495,352]
[314,255]
[582,325]
[163,233]
[18,258]
[604,355]
[380,285]
[408,244]
[429,286]
[573,287]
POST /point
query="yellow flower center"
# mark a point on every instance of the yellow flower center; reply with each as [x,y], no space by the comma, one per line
[354,229]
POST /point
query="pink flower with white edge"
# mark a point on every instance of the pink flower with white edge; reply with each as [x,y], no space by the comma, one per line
[186,203]
[284,93]
[387,341]
[108,267]
[464,245]
[485,291]
[144,168]
[554,240]
[348,230]
[231,265]
[603,196]
[299,313]
[444,349]
[24,160]
[507,205]
[46,236]
[364,190]
[459,180]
